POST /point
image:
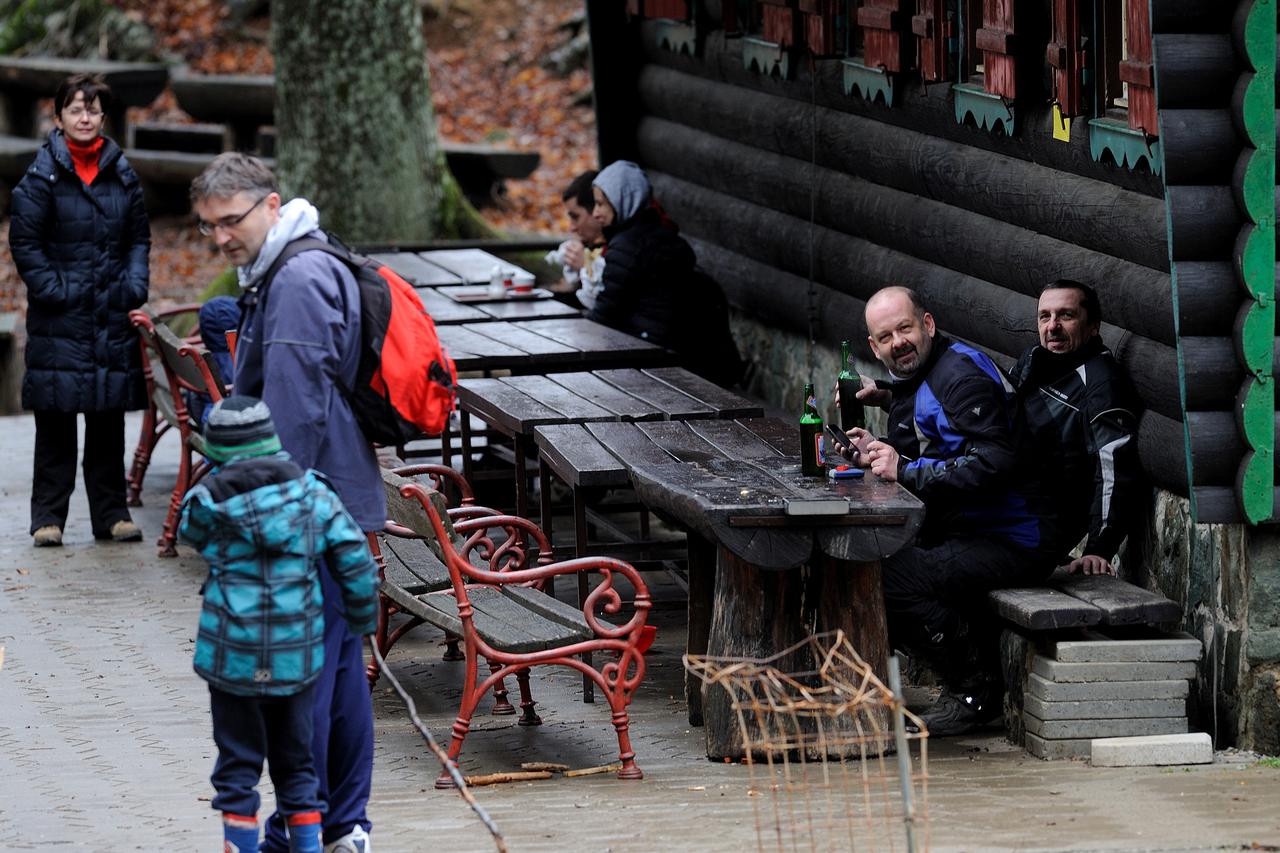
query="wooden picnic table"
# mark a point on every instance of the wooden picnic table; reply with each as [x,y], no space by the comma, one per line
[25,80]
[444,267]
[514,406]
[547,346]
[733,486]
[243,102]
[446,311]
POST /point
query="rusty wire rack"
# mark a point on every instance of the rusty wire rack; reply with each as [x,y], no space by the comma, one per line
[818,731]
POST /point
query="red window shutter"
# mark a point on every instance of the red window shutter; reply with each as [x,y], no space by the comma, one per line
[1137,69]
[932,27]
[885,26]
[1065,56]
[995,40]
[778,22]
[820,31]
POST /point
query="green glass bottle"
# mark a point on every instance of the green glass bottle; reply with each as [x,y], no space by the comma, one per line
[852,413]
[810,435]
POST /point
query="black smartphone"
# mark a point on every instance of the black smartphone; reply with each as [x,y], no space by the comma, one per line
[839,438]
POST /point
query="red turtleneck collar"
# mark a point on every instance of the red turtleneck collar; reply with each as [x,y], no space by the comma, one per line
[85,158]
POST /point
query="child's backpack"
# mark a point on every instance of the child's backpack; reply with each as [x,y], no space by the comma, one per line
[405,384]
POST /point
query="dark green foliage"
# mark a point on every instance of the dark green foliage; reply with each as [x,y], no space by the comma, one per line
[79,29]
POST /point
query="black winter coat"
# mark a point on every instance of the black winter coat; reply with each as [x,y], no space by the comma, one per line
[82,252]
[653,290]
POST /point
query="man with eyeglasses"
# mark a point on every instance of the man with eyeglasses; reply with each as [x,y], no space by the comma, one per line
[298,344]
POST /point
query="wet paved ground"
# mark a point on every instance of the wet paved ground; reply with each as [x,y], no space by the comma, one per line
[105,744]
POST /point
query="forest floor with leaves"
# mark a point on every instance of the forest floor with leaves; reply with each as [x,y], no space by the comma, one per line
[488,84]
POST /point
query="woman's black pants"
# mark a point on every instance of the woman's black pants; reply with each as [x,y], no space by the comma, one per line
[54,477]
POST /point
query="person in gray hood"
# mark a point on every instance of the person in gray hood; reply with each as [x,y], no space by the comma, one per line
[651,285]
[298,345]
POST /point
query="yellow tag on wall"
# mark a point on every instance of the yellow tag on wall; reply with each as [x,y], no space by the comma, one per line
[1061,125]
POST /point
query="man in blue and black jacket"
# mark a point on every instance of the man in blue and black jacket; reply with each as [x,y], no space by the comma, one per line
[953,442]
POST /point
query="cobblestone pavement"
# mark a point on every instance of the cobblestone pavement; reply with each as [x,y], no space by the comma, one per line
[105,743]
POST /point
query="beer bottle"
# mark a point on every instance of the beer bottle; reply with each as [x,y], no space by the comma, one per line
[852,413]
[810,435]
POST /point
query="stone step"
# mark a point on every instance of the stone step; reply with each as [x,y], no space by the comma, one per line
[1068,748]
[1087,691]
[1053,670]
[1099,648]
[1154,750]
[1104,709]
[1070,729]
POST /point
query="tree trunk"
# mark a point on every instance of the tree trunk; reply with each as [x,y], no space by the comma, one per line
[356,128]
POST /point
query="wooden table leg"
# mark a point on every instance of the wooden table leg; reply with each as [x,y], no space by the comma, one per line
[580,550]
[464,428]
[544,507]
[702,584]
[522,481]
[758,613]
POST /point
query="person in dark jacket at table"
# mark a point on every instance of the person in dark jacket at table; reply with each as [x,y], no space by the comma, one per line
[80,240]
[651,287]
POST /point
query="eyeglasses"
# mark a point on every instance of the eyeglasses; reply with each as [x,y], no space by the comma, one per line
[227,222]
[77,112]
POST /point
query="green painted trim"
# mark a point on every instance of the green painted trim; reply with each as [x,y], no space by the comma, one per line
[1128,147]
[676,36]
[1255,261]
[987,110]
[869,81]
[766,57]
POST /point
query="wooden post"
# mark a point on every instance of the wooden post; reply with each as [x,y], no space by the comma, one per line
[758,613]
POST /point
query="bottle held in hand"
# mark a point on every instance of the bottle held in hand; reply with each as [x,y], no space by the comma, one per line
[852,412]
[810,435]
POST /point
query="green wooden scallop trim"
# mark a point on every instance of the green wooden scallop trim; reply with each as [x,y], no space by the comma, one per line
[988,111]
[869,82]
[1255,263]
[766,57]
[1128,147]
[676,36]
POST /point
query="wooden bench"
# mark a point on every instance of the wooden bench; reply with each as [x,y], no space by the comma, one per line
[1090,610]
[499,610]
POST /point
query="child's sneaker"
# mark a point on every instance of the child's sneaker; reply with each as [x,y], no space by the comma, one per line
[355,841]
[239,833]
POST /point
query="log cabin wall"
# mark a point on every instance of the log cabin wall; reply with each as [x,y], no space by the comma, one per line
[783,169]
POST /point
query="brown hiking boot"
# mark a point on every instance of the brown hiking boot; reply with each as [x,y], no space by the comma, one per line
[50,534]
[126,531]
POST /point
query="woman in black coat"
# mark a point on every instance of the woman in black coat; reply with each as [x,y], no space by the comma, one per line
[80,238]
[651,287]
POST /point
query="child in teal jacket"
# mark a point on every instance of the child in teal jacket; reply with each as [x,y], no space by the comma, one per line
[265,526]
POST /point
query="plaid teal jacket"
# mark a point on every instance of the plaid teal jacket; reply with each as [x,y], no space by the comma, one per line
[264,526]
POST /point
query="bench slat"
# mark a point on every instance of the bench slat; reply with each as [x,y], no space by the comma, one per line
[1042,608]
[553,609]
[578,458]
[1120,602]
[412,565]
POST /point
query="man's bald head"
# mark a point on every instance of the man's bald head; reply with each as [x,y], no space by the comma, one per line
[899,330]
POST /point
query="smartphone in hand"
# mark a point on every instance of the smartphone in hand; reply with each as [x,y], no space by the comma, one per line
[840,438]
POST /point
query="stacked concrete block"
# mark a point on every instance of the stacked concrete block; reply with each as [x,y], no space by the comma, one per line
[1099,686]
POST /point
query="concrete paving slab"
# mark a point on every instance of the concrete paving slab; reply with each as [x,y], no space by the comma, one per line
[1084,691]
[1104,708]
[1055,749]
[1064,729]
[1152,751]
[1098,648]
[1053,670]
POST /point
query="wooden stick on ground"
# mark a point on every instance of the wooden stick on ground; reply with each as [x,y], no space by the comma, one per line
[592,771]
[528,765]
[500,778]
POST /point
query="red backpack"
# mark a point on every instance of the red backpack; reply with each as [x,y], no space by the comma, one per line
[405,384]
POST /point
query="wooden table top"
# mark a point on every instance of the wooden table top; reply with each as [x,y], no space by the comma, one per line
[733,482]
[444,267]
[446,311]
[517,404]
[134,84]
[551,345]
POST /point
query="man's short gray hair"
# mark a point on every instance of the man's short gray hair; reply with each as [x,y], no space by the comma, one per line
[232,173]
